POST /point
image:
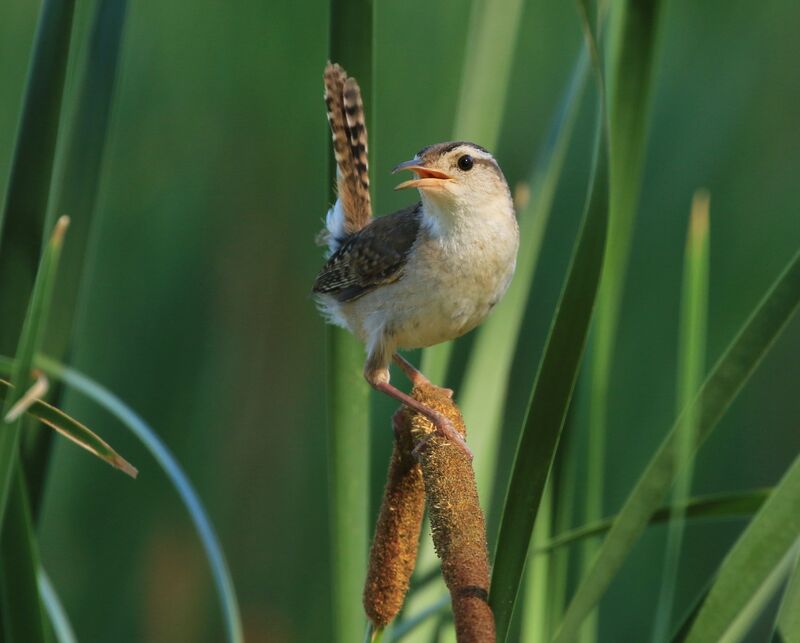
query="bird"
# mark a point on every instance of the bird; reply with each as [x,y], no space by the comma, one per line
[425,274]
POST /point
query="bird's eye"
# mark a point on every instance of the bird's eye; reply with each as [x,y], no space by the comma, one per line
[465,163]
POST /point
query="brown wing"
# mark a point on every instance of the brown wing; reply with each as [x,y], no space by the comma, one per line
[372,257]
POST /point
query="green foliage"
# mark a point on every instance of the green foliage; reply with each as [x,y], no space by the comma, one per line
[346,392]
[71,429]
[719,389]
[29,342]
[634,40]
[23,619]
[755,567]
[552,390]
[184,287]
[691,357]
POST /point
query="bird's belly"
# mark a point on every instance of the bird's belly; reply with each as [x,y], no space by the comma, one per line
[443,293]
[448,304]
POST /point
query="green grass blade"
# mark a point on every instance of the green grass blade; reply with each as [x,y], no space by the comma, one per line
[789,614]
[754,567]
[553,387]
[715,506]
[491,41]
[72,430]
[691,365]
[22,217]
[407,626]
[136,425]
[23,619]
[348,419]
[493,31]
[30,339]
[75,189]
[685,623]
[77,172]
[720,388]
[485,385]
[634,28]
[59,620]
[535,626]
[351,33]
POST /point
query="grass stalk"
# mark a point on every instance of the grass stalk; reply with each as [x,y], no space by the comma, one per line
[723,383]
[633,52]
[29,341]
[77,175]
[484,388]
[351,34]
[75,189]
[535,617]
[149,438]
[555,381]
[57,615]
[691,365]
[755,567]
[715,506]
[788,620]
[23,618]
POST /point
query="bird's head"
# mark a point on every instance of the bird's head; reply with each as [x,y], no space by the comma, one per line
[457,175]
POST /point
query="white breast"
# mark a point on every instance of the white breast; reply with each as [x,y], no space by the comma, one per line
[453,278]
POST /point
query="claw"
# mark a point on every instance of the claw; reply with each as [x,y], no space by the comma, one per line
[445,429]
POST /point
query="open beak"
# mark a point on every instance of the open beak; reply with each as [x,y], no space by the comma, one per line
[426,178]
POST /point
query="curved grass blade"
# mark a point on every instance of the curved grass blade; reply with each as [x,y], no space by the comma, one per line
[59,620]
[347,395]
[685,623]
[22,216]
[77,174]
[111,403]
[492,38]
[789,614]
[73,430]
[691,364]
[23,619]
[486,376]
[735,505]
[755,565]
[555,382]
[75,188]
[721,386]
[634,31]
[29,341]
[407,626]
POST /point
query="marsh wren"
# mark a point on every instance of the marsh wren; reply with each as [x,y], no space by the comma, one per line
[422,275]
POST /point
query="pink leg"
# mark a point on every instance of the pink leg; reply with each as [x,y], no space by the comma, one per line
[413,374]
[443,425]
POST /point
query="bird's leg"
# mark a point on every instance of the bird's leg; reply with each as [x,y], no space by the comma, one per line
[443,425]
[414,375]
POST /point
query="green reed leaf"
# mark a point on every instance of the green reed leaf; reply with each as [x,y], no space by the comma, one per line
[719,389]
[754,567]
[552,390]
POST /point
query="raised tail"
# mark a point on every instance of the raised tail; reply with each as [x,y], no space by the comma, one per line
[353,208]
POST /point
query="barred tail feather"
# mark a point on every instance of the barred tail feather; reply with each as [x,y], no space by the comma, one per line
[353,209]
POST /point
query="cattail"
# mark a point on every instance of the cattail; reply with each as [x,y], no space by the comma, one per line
[457,524]
[394,548]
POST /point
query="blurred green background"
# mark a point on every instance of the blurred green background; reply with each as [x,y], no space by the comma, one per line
[196,306]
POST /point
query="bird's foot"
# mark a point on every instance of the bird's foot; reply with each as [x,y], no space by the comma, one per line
[415,376]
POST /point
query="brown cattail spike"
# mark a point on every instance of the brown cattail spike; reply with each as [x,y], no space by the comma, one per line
[394,549]
[457,524]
